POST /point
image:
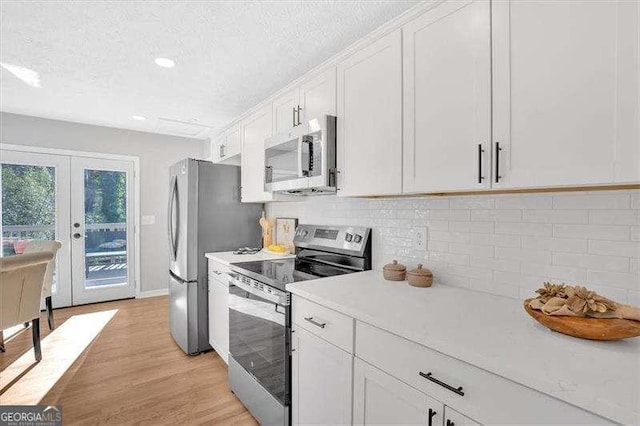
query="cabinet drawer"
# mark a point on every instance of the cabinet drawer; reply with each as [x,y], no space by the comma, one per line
[326,323]
[487,398]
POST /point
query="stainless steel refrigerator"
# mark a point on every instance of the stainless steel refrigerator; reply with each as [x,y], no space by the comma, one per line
[205,215]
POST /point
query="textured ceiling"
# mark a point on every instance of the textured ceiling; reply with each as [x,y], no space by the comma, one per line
[96,58]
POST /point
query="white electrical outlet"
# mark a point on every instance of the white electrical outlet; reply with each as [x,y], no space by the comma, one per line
[420,238]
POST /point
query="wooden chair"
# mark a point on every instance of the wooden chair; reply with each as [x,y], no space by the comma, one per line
[52,246]
[21,281]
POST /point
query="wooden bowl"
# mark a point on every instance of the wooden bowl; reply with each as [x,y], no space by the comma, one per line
[586,328]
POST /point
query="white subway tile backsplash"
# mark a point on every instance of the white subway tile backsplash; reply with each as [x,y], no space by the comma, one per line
[615,248]
[495,264]
[496,240]
[555,272]
[473,227]
[593,232]
[614,279]
[612,200]
[497,215]
[521,228]
[450,215]
[555,216]
[524,255]
[555,244]
[589,261]
[614,217]
[501,244]
[507,202]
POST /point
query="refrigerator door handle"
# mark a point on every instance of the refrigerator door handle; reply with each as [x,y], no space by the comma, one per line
[177,278]
[172,237]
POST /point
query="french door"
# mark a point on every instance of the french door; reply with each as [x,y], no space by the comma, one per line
[87,204]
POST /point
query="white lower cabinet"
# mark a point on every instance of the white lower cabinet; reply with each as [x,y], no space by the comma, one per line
[219,309]
[453,418]
[379,398]
[321,381]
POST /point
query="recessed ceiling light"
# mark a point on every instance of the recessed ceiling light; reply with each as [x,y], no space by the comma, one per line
[139,117]
[27,75]
[165,62]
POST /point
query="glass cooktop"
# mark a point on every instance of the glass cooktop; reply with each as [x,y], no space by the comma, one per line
[280,272]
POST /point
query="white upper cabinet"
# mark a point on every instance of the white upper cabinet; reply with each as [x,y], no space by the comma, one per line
[318,96]
[226,147]
[285,111]
[314,97]
[447,98]
[565,77]
[370,119]
[255,129]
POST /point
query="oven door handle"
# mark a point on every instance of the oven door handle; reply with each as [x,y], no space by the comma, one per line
[257,292]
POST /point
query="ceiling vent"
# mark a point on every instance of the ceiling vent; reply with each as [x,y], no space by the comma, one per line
[181,128]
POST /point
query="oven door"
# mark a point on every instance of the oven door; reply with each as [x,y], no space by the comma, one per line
[285,167]
[258,337]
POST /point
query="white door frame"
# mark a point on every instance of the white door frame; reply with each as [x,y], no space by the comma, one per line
[62,296]
[136,189]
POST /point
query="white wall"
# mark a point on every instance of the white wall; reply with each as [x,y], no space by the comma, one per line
[501,244]
[156,153]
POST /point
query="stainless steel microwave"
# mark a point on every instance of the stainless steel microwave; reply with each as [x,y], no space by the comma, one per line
[302,160]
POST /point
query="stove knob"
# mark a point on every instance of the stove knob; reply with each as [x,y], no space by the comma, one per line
[357,238]
[348,237]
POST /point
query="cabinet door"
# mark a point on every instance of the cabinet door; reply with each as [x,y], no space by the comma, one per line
[233,143]
[565,92]
[379,398]
[447,98]
[284,111]
[453,418]
[370,119]
[321,381]
[318,96]
[255,130]
[219,317]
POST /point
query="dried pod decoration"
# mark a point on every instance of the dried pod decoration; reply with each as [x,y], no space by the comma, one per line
[550,291]
[584,301]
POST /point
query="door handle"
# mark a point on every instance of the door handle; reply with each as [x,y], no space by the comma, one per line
[430,377]
[480,152]
[498,149]
[172,243]
[298,111]
[316,323]
[432,413]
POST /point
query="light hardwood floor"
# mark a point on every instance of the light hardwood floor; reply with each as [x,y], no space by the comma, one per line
[134,373]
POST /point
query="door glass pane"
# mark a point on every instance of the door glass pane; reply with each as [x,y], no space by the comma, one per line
[28,207]
[105,207]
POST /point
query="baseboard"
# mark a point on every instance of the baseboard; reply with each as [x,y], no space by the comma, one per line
[153,293]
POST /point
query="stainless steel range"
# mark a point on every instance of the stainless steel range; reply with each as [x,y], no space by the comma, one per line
[260,313]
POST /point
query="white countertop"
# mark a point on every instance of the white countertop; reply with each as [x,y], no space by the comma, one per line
[227,257]
[495,334]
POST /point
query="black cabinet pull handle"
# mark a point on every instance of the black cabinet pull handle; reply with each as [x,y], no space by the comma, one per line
[431,414]
[430,377]
[450,423]
[298,111]
[498,149]
[480,151]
